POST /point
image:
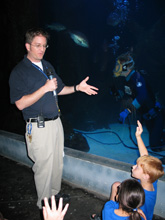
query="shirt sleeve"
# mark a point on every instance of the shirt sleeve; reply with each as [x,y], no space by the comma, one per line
[108,207]
[150,201]
[17,86]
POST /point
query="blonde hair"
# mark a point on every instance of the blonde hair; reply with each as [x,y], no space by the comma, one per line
[151,166]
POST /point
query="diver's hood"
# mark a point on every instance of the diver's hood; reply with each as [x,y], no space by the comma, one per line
[122,67]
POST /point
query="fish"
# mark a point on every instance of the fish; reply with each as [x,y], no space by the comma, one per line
[80,39]
[56,27]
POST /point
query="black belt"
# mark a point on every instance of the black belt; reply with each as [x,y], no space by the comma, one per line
[45,119]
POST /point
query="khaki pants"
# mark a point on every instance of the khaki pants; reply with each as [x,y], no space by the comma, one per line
[46,151]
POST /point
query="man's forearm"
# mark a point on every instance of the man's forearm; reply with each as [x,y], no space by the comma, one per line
[67,90]
[28,100]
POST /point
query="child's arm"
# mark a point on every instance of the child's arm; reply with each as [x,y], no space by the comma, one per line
[114,190]
[142,148]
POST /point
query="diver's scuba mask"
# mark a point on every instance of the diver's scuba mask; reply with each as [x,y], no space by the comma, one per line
[120,68]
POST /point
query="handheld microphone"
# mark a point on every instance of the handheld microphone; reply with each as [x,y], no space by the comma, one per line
[51,76]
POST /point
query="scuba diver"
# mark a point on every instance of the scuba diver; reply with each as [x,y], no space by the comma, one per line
[143,98]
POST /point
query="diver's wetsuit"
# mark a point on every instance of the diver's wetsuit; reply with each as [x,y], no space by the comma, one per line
[143,99]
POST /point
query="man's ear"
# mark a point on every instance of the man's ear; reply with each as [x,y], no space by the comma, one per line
[27,46]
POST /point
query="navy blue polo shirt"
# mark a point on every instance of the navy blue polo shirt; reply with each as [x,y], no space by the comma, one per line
[26,79]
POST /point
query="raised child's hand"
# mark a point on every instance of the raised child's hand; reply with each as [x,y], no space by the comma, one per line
[139,129]
[52,213]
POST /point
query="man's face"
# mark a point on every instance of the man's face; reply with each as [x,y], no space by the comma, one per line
[36,49]
[137,171]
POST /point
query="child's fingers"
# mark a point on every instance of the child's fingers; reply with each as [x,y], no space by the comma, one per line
[45,213]
[60,204]
[46,203]
[140,125]
[138,122]
[65,209]
[53,202]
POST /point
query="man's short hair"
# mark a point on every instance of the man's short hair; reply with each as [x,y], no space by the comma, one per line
[151,166]
[31,33]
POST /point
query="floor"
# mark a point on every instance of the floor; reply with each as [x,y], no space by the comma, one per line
[18,195]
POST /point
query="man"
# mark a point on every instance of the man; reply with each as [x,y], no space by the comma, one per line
[34,86]
[143,99]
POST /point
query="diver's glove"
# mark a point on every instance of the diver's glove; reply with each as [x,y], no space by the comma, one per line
[123,115]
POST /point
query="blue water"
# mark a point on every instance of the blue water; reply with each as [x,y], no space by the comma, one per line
[115,143]
[110,28]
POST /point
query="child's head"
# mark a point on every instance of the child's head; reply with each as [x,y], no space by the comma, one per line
[131,196]
[151,166]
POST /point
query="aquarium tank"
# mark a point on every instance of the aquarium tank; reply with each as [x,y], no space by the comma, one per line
[86,39]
